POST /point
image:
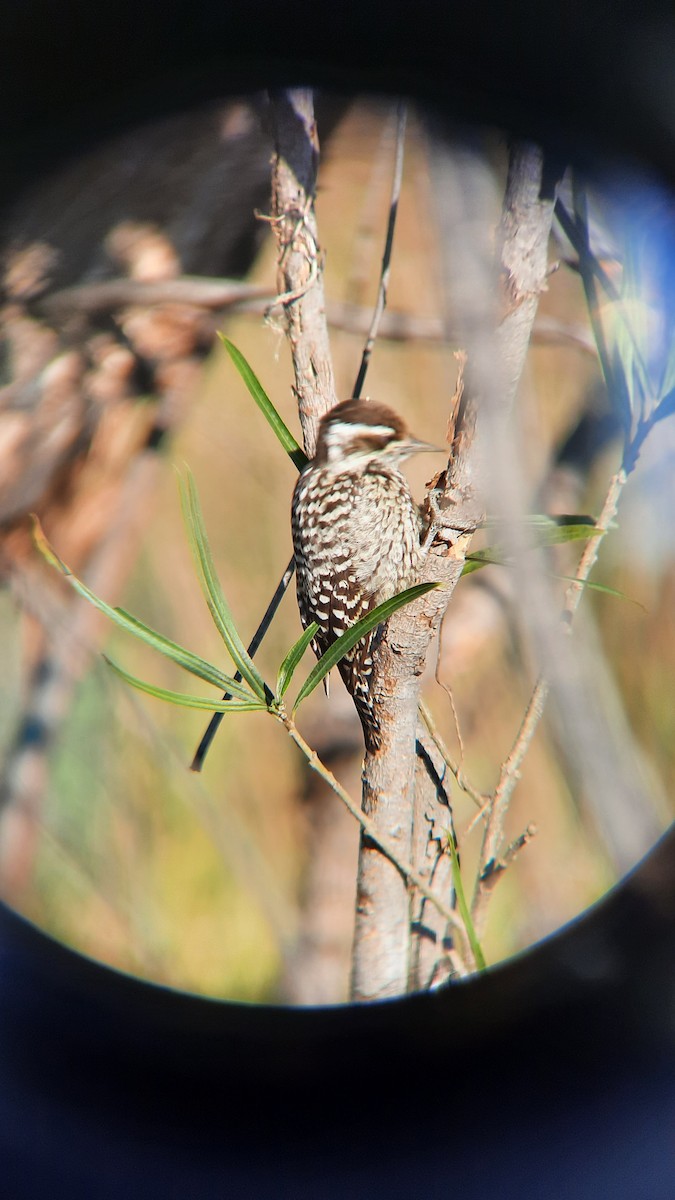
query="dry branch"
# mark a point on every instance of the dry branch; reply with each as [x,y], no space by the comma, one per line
[301,296]
[299,259]
[493,844]
[383,909]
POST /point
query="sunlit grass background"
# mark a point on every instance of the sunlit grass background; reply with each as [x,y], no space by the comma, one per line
[195,881]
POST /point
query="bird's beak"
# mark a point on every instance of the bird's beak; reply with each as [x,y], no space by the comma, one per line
[413,446]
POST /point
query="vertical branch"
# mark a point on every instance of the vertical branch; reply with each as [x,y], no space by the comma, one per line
[522,246]
[301,295]
[299,260]
[496,358]
[380,965]
[326,847]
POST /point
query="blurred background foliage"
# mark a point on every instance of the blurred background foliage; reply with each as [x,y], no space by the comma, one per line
[199,882]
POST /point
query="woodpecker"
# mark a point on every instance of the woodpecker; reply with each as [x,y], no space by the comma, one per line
[356,535]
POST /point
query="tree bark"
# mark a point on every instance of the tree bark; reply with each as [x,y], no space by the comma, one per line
[495,364]
[300,268]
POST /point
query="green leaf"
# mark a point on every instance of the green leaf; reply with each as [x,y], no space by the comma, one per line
[538,520]
[351,636]
[464,910]
[551,532]
[544,531]
[484,558]
[213,592]
[601,587]
[183,699]
[257,391]
[287,668]
[184,658]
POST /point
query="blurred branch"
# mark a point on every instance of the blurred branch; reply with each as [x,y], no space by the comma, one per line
[496,810]
[219,294]
[110,294]
[66,414]
[496,344]
[60,662]
[522,243]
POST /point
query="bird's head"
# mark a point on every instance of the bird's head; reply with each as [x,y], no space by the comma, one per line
[358,432]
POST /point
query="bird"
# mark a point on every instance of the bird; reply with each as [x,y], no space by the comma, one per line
[357,535]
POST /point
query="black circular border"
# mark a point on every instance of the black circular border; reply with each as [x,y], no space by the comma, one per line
[552,1075]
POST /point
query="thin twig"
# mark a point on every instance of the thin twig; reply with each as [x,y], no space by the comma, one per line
[456,771]
[368,224]
[406,869]
[516,846]
[457,399]
[592,548]
[495,869]
[252,649]
[498,807]
[478,817]
[380,305]
[510,772]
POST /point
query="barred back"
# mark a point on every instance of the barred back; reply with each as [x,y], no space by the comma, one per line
[357,543]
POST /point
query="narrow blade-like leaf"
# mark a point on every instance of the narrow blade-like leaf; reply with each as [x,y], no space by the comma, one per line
[257,391]
[542,531]
[213,592]
[464,910]
[348,639]
[287,668]
[183,699]
[484,558]
[557,535]
[184,658]
[539,519]
[602,587]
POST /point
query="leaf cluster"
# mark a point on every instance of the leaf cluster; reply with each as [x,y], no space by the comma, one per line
[246,690]
[635,343]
